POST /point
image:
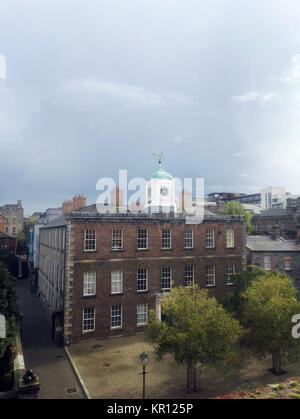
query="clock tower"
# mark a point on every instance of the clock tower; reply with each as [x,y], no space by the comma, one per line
[160,191]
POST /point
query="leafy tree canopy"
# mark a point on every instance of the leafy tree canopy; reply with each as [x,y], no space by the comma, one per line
[236,208]
[197,329]
[269,303]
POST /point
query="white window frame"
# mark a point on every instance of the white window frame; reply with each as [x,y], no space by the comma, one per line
[117,282]
[210,276]
[119,315]
[89,284]
[141,239]
[166,242]
[189,276]
[230,271]
[188,238]
[269,267]
[210,238]
[164,278]
[287,259]
[87,240]
[117,240]
[87,318]
[141,280]
[230,238]
[140,313]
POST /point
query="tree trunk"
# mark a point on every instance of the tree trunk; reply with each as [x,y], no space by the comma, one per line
[276,361]
[191,376]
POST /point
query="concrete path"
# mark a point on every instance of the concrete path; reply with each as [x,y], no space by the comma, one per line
[47,360]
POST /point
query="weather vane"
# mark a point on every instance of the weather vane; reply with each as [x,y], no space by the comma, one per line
[160,157]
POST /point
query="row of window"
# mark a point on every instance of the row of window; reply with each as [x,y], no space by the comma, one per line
[14,231]
[14,221]
[90,279]
[90,239]
[267,263]
[89,317]
[55,238]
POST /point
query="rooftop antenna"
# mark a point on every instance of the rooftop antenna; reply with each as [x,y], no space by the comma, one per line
[160,157]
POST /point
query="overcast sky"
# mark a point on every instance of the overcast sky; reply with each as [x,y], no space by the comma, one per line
[94,86]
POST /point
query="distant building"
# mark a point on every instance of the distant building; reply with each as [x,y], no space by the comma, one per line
[36,214]
[49,215]
[8,245]
[288,221]
[45,218]
[13,218]
[224,196]
[252,199]
[1,224]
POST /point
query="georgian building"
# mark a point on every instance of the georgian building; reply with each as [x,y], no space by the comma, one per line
[101,273]
[13,215]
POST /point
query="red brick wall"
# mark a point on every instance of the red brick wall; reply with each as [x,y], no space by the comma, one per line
[1,223]
[78,201]
[104,260]
[9,243]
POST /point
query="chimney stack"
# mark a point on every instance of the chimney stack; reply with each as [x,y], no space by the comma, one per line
[19,203]
[276,230]
[116,197]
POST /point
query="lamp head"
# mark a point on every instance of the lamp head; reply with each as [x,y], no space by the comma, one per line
[144,358]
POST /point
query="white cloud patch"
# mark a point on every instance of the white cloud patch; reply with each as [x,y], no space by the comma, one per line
[238,154]
[127,93]
[255,96]
[293,72]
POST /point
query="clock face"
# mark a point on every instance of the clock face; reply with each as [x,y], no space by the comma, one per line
[164,191]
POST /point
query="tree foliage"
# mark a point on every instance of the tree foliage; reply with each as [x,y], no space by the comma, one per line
[9,308]
[197,330]
[234,300]
[236,208]
[23,237]
[268,305]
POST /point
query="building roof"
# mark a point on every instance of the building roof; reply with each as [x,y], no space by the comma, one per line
[161,174]
[91,212]
[271,244]
[276,212]
[9,206]
[3,235]
[57,222]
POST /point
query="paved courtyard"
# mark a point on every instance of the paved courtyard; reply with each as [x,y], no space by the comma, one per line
[110,369]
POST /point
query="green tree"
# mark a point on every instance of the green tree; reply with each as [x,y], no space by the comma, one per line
[234,300]
[196,330]
[9,308]
[23,237]
[269,303]
[236,208]
[22,243]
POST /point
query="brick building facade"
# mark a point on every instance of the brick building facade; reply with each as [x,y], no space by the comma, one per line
[1,224]
[8,245]
[13,218]
[104,272]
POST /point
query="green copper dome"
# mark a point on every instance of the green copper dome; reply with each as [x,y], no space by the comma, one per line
[161,174]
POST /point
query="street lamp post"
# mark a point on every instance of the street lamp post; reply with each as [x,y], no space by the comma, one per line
[144,358]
